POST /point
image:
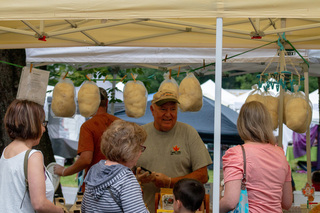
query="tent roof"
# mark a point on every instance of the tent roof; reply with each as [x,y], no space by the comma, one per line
[158,23]
[126,9]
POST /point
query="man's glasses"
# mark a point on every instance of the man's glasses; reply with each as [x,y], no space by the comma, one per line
[143,148]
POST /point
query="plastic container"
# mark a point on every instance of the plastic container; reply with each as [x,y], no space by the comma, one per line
[60,160]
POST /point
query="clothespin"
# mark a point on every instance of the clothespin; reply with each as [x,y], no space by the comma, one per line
[105,78]
[133,77]
[123,78]
[178,71]
[88,77]
[225,58]
[204,63]
[170,74]
[65,75]
[31,67]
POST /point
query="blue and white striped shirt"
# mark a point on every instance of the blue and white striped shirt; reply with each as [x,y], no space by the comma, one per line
[123,184]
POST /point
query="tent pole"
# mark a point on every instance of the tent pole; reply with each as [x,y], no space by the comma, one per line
[113,91]
[217,117]
[308,148]
[280,114]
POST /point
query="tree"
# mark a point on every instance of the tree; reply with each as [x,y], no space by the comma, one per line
[9,83]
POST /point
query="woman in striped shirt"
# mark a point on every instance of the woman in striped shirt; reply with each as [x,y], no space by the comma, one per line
[110,184]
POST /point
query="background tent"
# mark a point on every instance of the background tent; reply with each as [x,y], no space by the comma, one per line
[202,121]
[208,90]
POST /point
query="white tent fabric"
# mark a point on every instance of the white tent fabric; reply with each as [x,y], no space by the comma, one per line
[208,90]
[314,98]
[164,58]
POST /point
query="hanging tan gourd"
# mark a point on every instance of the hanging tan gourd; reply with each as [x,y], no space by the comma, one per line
[190,94]
[63,99]
[286,98]
[298,115]
[272,104]
[88,99]
[255,97]
[169,84]
[135,99]
[298,112]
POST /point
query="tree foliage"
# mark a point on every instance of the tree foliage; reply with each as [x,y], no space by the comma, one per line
[152,78]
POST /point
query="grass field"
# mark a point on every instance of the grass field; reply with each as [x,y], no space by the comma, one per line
[69,181]
[300,179]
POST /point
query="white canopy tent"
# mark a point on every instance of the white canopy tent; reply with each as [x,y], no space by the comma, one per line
[247,24]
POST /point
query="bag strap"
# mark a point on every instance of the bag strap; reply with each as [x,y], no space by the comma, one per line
[115,199]
[25,168]
[26,156]
[244,178]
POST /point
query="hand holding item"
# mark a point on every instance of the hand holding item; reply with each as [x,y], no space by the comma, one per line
[162,180]
[58,170]
[145,176]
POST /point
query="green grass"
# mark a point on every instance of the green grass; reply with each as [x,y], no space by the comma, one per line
[210,176]
[300,179]
[69,181]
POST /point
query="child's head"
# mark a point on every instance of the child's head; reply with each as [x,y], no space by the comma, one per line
[188,194]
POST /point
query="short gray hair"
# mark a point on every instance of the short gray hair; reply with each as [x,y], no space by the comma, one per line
[121,141]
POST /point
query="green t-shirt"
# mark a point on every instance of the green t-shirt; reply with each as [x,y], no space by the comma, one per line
[175,153]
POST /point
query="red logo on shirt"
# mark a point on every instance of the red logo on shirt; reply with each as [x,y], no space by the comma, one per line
[176,150]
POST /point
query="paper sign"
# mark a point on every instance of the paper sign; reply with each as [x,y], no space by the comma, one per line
[33,85]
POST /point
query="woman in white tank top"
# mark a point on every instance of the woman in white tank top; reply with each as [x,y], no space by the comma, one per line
[24,124]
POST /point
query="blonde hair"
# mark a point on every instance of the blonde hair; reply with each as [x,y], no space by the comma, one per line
[121,141]
[255,124]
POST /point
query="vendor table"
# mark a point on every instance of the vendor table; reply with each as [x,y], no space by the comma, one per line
[293,161]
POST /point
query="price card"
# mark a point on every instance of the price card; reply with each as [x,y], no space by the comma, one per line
[33,85]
